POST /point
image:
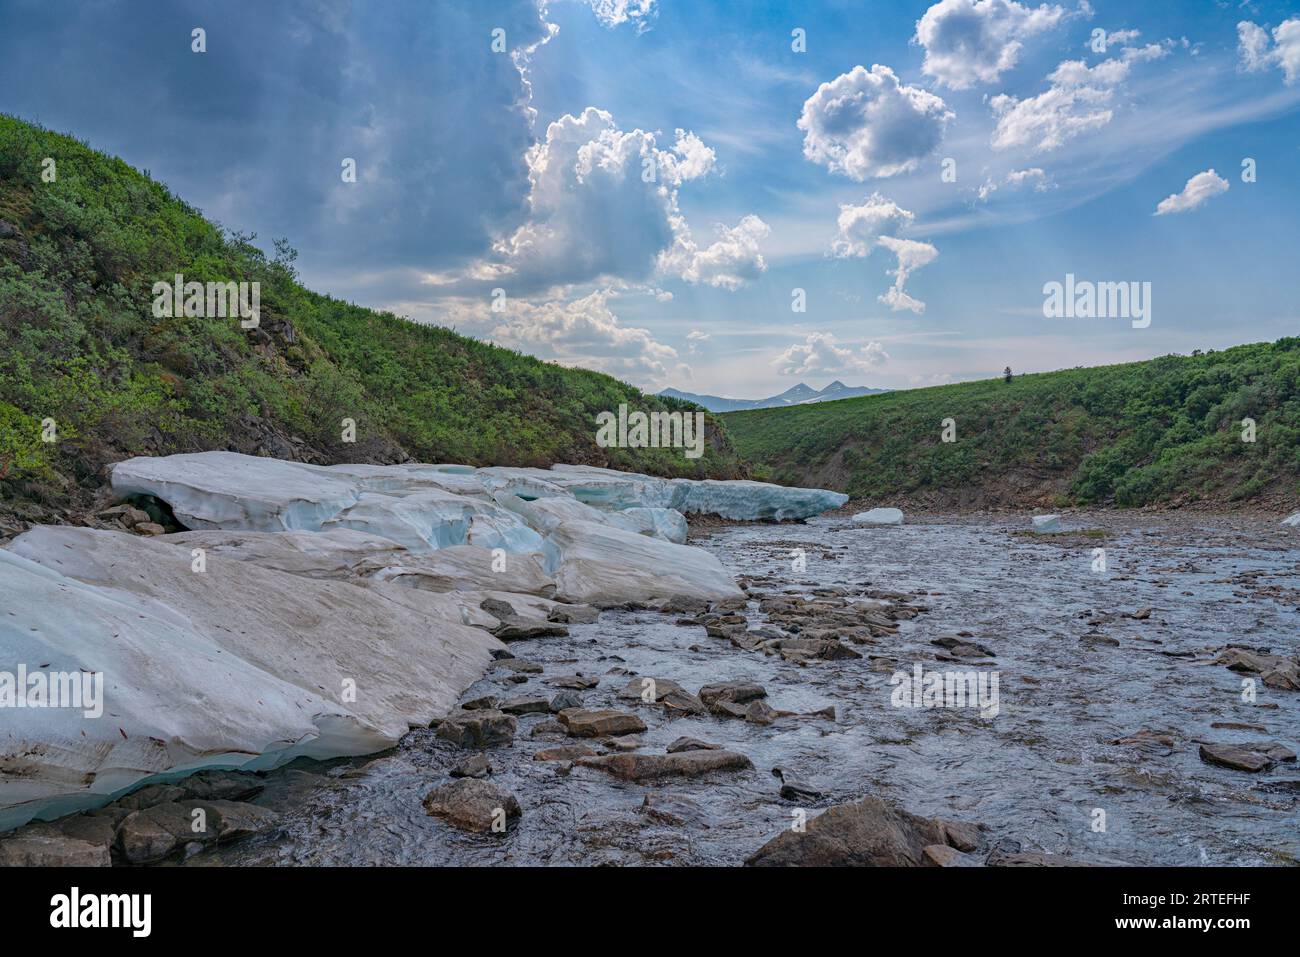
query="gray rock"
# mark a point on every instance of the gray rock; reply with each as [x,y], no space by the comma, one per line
[573,614]
[40,848]
[869,833]
[690,744]
[475,766]
[584,723]
[526,705]
[649,767]
[565,700]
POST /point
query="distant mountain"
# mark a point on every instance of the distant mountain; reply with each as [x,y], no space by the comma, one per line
[800,394]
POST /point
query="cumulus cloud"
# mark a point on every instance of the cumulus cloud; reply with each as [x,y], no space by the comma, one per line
[1199,188]
[912,255]
[860,227]
[819,354]
[728,263]
[976,41]
[1257,53]
[865,123]
[1078,100]
[581,332]
[603,205]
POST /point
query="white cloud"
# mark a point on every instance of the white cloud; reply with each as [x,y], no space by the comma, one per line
[1034,174]
[1257,54]
[1199,188]
[1078,100]
[819,354]
[603,208]
[581,332]
[612,13]
[860,227]
[912,255]
[865,123]
[976,41]
[728,263]
[697,336]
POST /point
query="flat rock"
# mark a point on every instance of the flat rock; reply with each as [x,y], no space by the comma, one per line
[567,752]
[526,705]
[690,744]
[649,767]
[737,692]
[1236,757]
[573,614]
[586,723]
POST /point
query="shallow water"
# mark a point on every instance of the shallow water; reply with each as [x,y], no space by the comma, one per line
[1037,772]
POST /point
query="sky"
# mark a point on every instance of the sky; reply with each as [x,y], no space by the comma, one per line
[722,197]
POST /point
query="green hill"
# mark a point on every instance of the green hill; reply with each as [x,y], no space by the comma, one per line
[80,348]
[1165,431]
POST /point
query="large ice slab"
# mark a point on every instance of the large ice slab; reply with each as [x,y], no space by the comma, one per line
[239,664]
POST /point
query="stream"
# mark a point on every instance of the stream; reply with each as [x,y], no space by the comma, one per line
[1038,772]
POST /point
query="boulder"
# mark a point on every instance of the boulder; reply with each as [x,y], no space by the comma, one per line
[474,805]
[868,833]
[475,766]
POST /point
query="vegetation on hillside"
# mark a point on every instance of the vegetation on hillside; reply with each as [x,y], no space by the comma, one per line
[81,352]
[1168,430]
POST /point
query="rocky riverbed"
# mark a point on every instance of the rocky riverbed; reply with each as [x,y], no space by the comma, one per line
[1122,730]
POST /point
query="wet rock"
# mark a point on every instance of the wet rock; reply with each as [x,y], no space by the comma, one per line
[526,705]
[565,700]
[156,832]
[1142,614]
[484,728]
[545,728]
[941,855]
[1096,638]
[475,766]
[649,767]
[1276,671]
[148,528]
[623,743]
[48,848]
[964,647]
[1238,726]
[1147,739]
[671,809]
[736,692]
[684,605]
[223,786]
[1237,757]
[150,796]
[517,628]
[649,689]
[573,614]
[869,833]
[1033,859]
[962,835]
[568,752]
[574,682]
[488,702]
[690,744]
[518,666]
[585,723]
[792,789]
[474,805]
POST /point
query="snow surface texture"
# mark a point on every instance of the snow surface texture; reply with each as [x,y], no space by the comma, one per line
[336,606]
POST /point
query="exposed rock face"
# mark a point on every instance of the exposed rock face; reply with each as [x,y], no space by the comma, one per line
[474,805]
[869,833]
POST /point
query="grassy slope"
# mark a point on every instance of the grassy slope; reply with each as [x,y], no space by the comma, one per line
[1165,431]
[79,345]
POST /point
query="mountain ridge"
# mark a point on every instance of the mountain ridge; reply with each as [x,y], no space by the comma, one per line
[800,394]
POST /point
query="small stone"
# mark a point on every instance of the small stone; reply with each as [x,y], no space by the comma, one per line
[584,723]
[647,767]
[479,729]
[573,614]
[148,528]
[690,744]
[487,702]
[526,705]
[1235,757]
[565,700]
[568,752]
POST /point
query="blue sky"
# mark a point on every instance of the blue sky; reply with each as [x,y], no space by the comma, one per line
[505,193]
